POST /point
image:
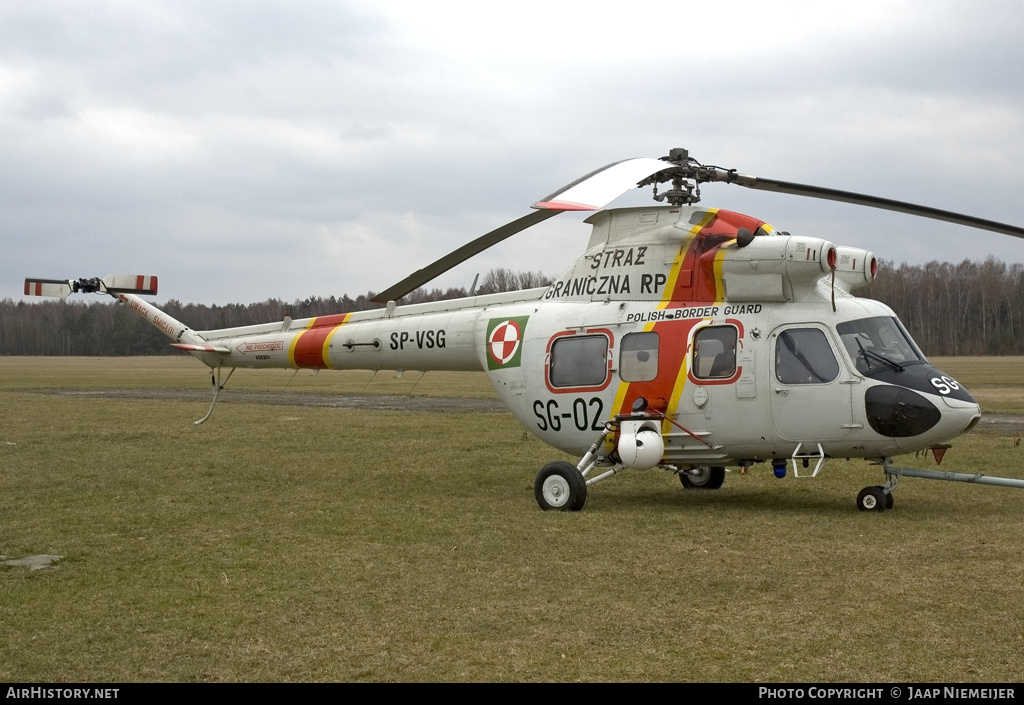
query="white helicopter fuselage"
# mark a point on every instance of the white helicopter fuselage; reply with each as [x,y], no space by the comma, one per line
[748,341]
[685,338]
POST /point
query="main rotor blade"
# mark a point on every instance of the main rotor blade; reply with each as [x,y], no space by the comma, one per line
[422,276]
[588,193]
[829,194]
[593,191]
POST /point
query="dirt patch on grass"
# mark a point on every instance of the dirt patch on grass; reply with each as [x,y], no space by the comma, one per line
[1010,423]
[340,401]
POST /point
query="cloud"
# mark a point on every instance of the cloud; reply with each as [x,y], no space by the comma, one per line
[258,149]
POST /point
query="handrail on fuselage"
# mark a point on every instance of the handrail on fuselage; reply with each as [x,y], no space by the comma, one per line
[505,297]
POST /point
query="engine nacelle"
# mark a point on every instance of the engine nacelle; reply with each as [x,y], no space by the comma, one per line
[641,446]
[855,266]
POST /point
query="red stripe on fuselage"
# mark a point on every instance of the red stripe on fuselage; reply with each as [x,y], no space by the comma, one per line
[335,319]
[695,284]
[696,281]
[309,349]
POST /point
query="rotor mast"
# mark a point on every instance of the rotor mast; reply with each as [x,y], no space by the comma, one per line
[685,190]
[686,176]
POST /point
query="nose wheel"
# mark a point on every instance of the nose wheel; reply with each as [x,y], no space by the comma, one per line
[874,499]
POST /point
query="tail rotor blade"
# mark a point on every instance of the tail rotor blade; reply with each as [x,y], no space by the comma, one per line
[130,284]
[48,287]
[112,284]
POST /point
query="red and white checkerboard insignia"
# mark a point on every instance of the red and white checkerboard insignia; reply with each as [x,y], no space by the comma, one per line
[504,341]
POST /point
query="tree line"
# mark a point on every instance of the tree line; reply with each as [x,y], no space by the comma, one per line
[105,327]
[971,308]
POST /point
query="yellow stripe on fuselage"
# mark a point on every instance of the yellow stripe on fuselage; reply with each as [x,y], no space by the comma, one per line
[295,341]
[684,369]
[329,338]
[667,297]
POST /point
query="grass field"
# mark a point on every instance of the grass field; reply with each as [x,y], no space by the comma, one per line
[996,382]
[296,544]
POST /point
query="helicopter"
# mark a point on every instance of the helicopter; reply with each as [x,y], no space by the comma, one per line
[685,338]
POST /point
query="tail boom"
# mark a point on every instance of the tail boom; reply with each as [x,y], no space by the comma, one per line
[165,323]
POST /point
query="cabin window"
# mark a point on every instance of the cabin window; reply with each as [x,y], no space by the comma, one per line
[714,352]
[803,356]
[579,361]
[638,358]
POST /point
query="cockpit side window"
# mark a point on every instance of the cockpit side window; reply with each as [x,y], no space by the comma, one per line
[714,352]
[638,358]
[877,343]
[803,356]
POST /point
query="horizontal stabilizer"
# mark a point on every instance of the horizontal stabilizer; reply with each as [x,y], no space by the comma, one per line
[202,348]
[112,284]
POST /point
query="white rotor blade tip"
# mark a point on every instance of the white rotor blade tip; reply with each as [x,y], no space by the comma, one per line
[599,188]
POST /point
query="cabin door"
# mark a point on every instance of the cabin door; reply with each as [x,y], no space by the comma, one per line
[811,391]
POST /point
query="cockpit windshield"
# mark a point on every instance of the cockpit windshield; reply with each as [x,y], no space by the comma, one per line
[878,343]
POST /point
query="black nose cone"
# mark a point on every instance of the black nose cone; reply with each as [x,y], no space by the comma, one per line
[898,412]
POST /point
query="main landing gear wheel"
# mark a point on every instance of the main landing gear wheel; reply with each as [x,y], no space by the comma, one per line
[874,499]
[706,478]
[560,486]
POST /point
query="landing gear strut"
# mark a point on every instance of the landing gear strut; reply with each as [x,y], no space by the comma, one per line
[869,498]
[217,386]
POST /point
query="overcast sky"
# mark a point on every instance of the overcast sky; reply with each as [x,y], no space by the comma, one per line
[248,150]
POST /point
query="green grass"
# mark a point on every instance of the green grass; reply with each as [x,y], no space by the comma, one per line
[296,544]
[185,373]
[996,382]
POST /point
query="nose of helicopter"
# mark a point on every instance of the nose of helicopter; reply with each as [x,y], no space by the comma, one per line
[919,407]
[962,415]
[960,412]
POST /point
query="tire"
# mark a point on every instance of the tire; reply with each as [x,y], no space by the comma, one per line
[709,478]
[560,486]
[872,499]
